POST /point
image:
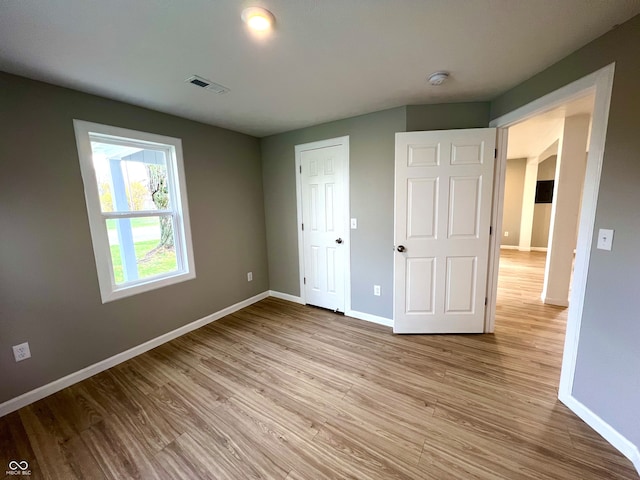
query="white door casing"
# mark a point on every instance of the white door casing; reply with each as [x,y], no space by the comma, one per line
[443,190]
[600,81]
[323,204]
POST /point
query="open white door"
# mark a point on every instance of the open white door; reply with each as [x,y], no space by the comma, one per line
[322,167]
[443,186]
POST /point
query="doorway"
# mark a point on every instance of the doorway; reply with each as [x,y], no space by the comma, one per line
[544,180]
[600,85]
[322,188]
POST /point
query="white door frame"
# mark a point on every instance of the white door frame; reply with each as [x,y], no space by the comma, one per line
[332,142]
[600,82]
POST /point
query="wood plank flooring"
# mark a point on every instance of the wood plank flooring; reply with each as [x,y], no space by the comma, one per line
[283,391]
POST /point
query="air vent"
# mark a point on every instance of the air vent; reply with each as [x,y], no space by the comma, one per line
[200,83]
[208,84]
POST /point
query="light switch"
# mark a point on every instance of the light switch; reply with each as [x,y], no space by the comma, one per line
[354,223]
[605,239]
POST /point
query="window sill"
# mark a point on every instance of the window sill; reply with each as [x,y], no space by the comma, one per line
[146,286]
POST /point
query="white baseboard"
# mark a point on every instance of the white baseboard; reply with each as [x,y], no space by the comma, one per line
[523,249]
[538,249]
[558,302]
[286,296]
[610,434]
[387,322]
[349,313]
[64,382]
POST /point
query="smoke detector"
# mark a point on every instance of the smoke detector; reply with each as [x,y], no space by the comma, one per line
[438,78]
[207,84]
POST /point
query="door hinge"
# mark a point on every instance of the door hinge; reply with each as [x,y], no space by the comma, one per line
[303,227]
[485,301]
[490,230]
[495,153]
[300,168]
[304,280]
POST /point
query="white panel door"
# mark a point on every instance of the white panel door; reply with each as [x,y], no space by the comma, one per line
[323,218]
[443,187]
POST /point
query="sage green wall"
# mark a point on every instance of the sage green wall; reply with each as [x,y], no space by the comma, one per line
[513,190]
[372,140]
[49,292]
[446,116]
[606,378]
[542,211]
[371,167]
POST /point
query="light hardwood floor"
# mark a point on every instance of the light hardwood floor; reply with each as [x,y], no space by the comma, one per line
[283,391]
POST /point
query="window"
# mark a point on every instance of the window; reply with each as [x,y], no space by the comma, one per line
[136,199]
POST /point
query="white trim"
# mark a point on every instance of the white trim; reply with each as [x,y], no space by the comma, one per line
[68,380]
[286,296]
[509,247]
[387,322]
[344,143]
[172,147]
[610,434]
[601,82]
[558,302]
[500,171]
[556,98]
[532,249]
[298,165]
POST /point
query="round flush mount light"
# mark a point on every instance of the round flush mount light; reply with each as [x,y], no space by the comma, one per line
[258,18]
[438,78]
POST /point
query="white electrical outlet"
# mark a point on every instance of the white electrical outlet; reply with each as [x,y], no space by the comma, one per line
[376,290]
[21,352]
[250,277]
[605,239]
[354,223]
[506,234]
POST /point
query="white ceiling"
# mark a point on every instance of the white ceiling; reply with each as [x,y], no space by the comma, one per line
[325,59]
[530,138]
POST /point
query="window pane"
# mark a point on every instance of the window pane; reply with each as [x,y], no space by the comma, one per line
[141,247]
[130,178]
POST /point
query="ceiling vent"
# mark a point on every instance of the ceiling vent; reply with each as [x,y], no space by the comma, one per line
[207,84]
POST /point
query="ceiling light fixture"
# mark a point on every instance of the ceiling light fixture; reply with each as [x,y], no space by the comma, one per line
[438,78]
[258,18]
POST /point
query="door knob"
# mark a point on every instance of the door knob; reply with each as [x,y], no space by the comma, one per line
[401,248]
[339,240]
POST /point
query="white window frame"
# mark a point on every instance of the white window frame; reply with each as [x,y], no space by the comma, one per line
[172,147]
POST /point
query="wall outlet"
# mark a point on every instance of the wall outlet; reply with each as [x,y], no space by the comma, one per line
[605,239]
[506,234]
[250,277]
[376,290]
[21,352]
